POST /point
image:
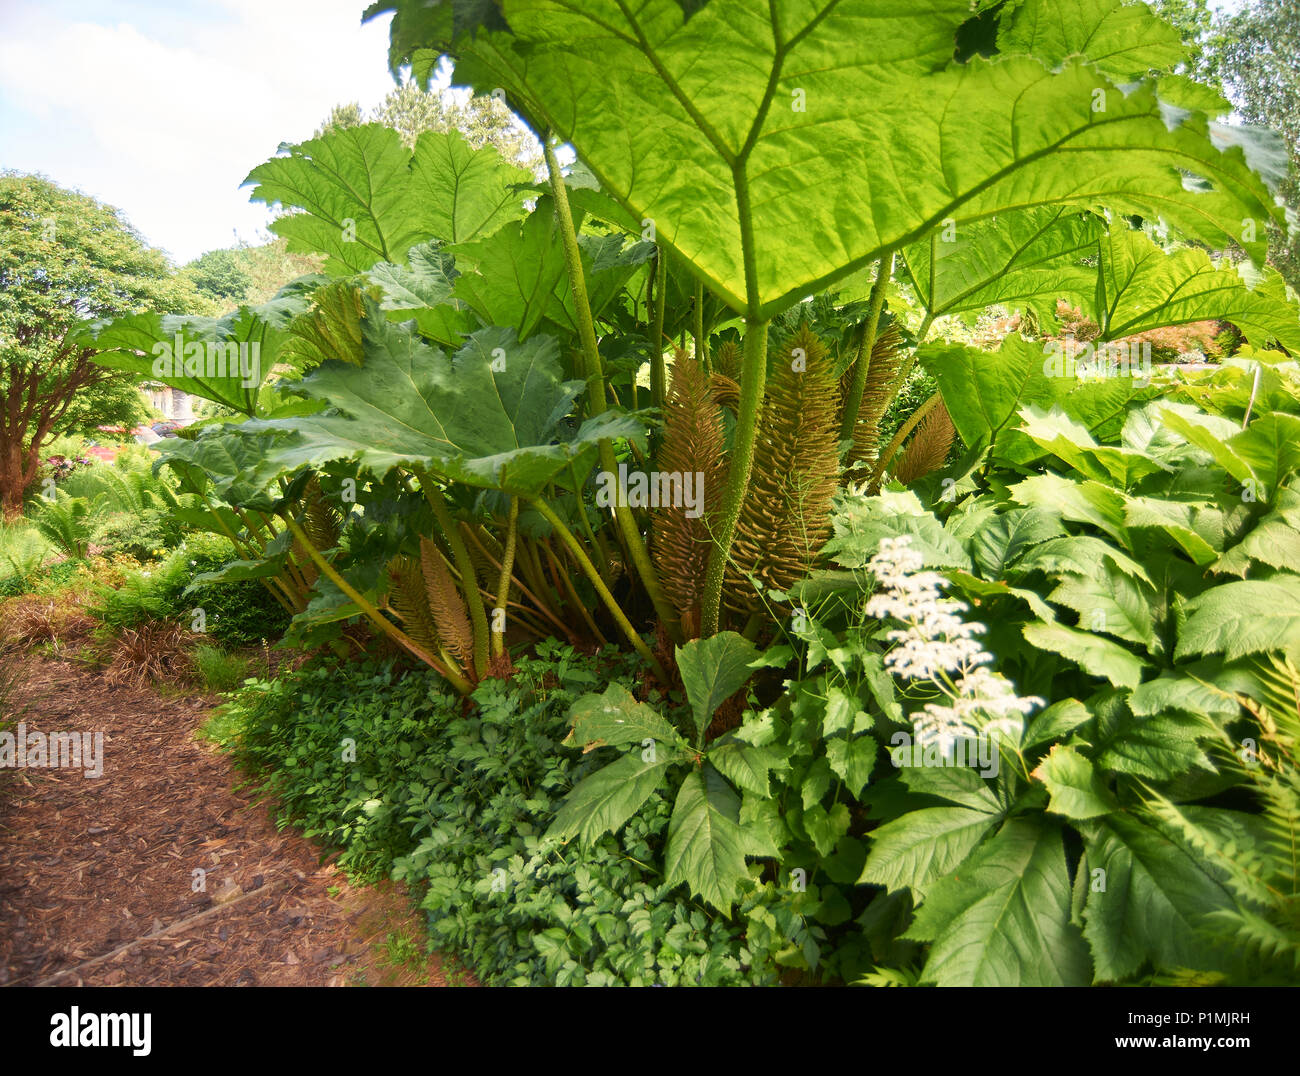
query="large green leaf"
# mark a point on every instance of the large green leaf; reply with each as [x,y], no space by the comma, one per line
[1149,901]
[227,360]
[1140,287]
[616,719]
[1123,39]
[488,417]
[369,199]
[1086,502]
[712,671]
[605,800]
[1004,919]
[1008,535]
[921,847]
[1253,616]
[1077,790]
[742,134]
[706,845]
[1111,602]
[1020,260]
[1093,654]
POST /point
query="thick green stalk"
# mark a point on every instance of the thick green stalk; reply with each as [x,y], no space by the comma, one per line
[875,304]
[376,617]
[632,539]
[658,375]
[469,581]
[584,562]
[507,568]
[701,344]
[753,375]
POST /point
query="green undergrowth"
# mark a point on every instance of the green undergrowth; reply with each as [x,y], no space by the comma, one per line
[452,797]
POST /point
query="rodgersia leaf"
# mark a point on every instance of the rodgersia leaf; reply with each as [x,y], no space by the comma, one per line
[706,846]
[1004,919]
[1148,899]
[605,800]
[1250,617]
[923,846]
[616,719]
[713,670]
[737,129]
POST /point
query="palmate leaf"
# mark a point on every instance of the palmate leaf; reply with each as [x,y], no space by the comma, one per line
[1140,287]
[1253,616]
[923,846]
[616,719]
[1156,894]
[706,845]
[369,199]
[411,405]
[423,290]
[517,276]
[755,159]
[1004,919]
[227,360]
[237,462]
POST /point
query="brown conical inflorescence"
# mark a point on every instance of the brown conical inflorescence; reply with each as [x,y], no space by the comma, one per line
[785,519]
[692,446]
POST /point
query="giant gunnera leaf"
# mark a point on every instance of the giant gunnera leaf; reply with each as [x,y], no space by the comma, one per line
[490,416]
[780,146]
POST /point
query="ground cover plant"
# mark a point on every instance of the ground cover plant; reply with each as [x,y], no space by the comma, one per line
[922,660]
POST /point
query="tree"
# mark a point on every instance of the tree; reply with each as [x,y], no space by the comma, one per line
[220,275]
[65,259]
[1252,53]
[483,121]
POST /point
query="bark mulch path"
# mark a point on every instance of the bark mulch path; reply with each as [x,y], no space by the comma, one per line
[97,874]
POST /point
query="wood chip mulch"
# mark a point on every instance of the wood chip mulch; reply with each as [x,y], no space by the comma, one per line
[97,875]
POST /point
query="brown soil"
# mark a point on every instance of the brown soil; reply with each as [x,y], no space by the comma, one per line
[97,875]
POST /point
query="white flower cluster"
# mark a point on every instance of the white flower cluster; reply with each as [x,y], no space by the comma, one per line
[936,644]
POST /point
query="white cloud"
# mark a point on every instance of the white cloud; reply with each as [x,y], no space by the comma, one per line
[163,114]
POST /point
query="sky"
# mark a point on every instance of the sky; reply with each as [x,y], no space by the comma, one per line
[162,107]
